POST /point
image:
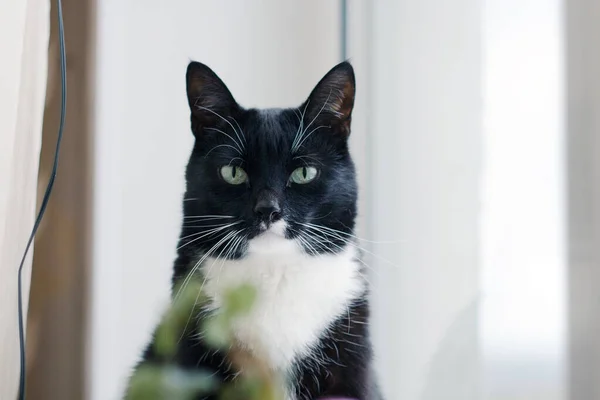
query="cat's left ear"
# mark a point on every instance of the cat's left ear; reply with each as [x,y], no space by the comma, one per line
[209,99]
[332,100]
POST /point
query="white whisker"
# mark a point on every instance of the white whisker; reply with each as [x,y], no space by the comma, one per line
[207,232]
[303,241]
[240,128]
[195,268]
[307,136]
[347,241]
[320,111]
[351,235]
[186,226]
[202,286]
[298,115]
[235,158]
[341,248]
[224,145]
[230,253]
[308,157]
[297,145]
[239,145]
[218,115]
[300,127]
[307,244]
[198,238]
[208,216]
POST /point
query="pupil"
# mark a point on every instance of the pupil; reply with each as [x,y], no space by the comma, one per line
[304,172]
[233,172]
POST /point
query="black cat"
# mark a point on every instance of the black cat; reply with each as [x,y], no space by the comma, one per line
[271,201]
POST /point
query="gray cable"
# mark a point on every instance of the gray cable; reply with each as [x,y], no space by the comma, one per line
[38,220]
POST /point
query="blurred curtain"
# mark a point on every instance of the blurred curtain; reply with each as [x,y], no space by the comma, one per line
[24,34]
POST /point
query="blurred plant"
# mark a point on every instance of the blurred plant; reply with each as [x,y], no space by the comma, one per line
[168,381]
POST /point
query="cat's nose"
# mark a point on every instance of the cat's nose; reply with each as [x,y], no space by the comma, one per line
[267,209]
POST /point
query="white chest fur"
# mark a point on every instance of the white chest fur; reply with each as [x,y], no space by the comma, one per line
[298,295]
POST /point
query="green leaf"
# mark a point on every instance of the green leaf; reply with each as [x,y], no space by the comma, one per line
[183,384]
[217,331]
[146,384]
[173,383]
[240,300]
[158,383]
[178,317]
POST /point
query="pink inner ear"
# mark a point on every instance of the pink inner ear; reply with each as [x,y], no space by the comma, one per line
[332,100]
[340,100]
[346,103]
[342,107]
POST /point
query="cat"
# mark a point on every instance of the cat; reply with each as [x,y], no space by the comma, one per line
[271,201]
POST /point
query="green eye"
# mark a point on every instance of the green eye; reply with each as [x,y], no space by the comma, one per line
[303,175]
[233,175]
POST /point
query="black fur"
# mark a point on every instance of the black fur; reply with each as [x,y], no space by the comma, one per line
[264,144]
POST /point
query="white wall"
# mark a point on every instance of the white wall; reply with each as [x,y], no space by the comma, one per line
[467,175]
[523,323]
[426,130]
[24,35]
[270,53]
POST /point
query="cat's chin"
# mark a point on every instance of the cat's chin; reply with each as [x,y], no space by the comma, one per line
[272,240]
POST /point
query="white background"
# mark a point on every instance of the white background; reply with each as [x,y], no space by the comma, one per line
[458,138]
[523,325]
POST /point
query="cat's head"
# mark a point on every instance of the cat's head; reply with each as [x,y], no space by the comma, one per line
[261,180]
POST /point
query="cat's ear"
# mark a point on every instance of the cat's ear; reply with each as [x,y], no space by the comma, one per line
[209,98]
[331,101]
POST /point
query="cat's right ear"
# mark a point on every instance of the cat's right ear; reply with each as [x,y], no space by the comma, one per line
[209,99]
